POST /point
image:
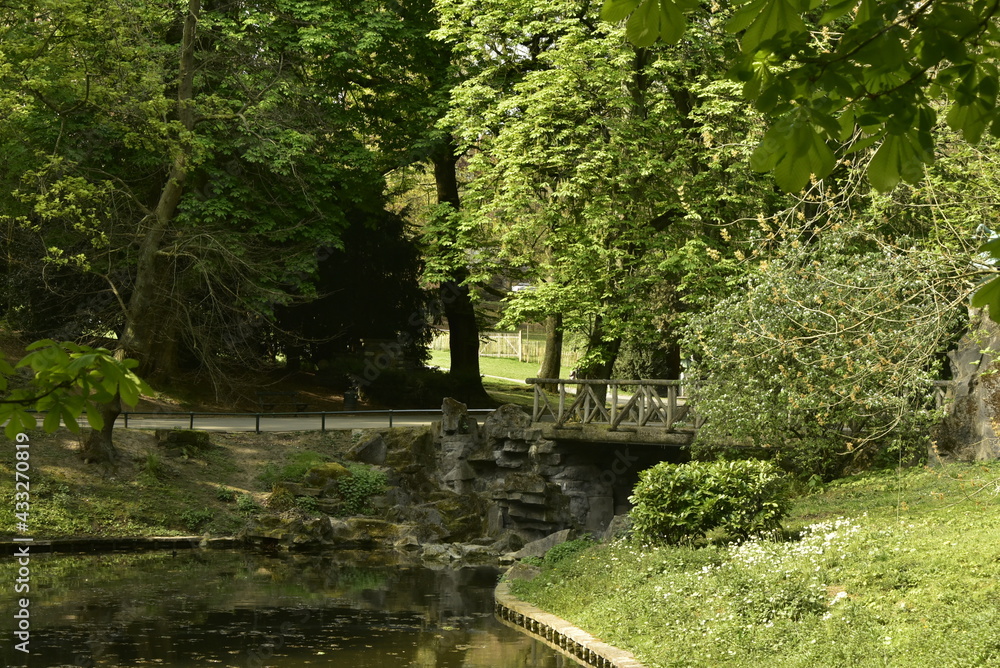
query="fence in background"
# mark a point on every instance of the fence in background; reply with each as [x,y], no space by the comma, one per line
[520,345]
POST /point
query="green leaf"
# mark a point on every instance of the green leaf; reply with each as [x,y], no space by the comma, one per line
[51,422]
[794,151]
[94,417]
[992,247]
[988,295]
[643,27]
[38,345]
[971,120]
[671,22]
[129,391]
[69,419]
[837,9]
[864,143]
[777,18]
[885,53]
[744,16]
[900,157]
[614,11]
[884,168]
[18,420]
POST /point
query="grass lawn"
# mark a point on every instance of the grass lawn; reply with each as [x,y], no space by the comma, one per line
[503,391]
[885,569]
[504,367]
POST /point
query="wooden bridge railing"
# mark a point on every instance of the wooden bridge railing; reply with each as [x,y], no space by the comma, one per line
[641,407]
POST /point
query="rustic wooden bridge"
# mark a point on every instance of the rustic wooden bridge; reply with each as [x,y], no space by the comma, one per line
[655,412]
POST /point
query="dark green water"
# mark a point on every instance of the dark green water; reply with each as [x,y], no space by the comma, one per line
[233,609]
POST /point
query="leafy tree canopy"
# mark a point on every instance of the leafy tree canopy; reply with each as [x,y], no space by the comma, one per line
[849,72]
[852,74]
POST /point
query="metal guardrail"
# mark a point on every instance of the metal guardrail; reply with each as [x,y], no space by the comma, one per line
[257,417]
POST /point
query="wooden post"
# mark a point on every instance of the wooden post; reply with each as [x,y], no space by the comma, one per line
[562,402]
[614,405]
[671,404]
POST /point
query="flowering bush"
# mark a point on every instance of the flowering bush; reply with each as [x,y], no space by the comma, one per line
[825,358]
[677,502]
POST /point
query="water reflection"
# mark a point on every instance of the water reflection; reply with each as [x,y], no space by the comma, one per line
[244,610]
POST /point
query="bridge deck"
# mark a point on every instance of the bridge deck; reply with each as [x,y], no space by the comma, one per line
[634,411]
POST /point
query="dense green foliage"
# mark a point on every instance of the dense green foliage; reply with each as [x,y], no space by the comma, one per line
[176,171]
[852,71]
[599,171]
[826,353]
[831,350]
[217,186]
[674,503]
[848,76]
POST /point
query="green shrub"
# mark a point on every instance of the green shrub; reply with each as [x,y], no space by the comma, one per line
[247,505]
[357,489]
[225,494]
[307,503]
[677,502]
[195,519]
[566,551]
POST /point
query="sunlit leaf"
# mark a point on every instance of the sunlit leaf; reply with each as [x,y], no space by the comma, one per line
[614,11]
[671,22]
[988,296]
[776,18]
[837,9]
[643,26]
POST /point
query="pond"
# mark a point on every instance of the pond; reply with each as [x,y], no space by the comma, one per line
[246,610]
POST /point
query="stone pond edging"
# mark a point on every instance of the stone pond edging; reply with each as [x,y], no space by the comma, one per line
[559,633]
[95,544]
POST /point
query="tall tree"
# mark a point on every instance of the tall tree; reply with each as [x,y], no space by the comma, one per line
[860,73]
[592,165]
[192,157]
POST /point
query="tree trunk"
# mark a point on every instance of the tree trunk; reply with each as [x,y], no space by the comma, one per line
[609,355]
[552,360]
[458,309]
[99,448]
[148,336]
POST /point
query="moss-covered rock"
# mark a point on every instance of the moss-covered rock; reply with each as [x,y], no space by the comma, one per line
[324,474]
[280,498]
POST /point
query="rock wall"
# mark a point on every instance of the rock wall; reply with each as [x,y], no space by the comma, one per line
[458,490]
[532,486]
[967,433]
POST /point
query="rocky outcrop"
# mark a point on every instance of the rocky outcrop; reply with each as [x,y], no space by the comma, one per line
[534,486]
[372,451]
[967,432]
[456,491]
